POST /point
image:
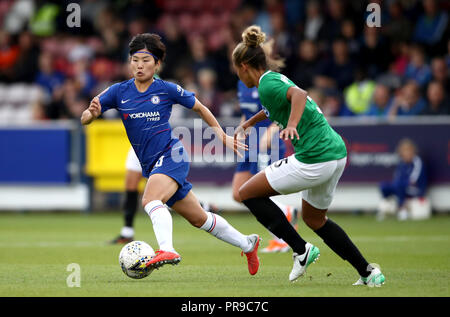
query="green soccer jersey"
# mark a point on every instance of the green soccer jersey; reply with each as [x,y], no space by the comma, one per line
[318,141]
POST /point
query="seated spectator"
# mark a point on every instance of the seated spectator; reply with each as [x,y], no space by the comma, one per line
[305,66]
[408,102]
[374,53]
[336,72]
[333,105]
[314,20]
[431,25]
[440,73]
[401,58]
[47,77]
[438,102]
[417,69]
[207,91]
[357,96]
[398,28]
[9,53]
[381,101]
[348,31]
[409,179]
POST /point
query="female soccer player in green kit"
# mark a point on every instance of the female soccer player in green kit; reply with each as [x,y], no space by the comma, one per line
[315,167]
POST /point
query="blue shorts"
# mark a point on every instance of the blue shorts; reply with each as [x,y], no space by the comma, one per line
[174,162]
[262,161]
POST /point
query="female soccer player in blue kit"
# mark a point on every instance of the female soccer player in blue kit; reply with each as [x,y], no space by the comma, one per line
[260,155]
[145,104]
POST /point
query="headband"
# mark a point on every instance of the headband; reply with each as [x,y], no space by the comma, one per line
[156,58]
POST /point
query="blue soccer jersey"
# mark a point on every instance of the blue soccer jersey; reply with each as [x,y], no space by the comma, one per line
[145,116]
[250,104]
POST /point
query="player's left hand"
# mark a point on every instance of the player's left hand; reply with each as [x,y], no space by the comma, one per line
[289,133]
[235,144]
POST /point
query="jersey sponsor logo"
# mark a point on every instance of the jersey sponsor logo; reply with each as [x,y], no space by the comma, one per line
[180,90]
[155,100]
[149,115]
[124,101]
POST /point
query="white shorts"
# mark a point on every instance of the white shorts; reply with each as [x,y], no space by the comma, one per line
[132,163]
[317,181]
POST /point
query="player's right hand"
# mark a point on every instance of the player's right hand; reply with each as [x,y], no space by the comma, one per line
[95,108]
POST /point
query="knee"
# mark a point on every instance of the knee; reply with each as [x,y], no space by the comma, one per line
[314,222]
[198,220]
[146,200]
[236,196]
[243,194]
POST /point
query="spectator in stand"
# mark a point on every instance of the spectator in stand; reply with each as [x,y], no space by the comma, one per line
[48,77]
[199,53]
[417,68]
[438,102]
[401,58]
[206,78]
[333,105]
[431,25]
[381,101]
[304,66]
[337,12]
[408,102]
[9,53]
[337,71]
[26,66]
[440,73]
[409,179]
[358,95]
[348,31]
[374,53]
[398,28]
[314,21]
[175,43]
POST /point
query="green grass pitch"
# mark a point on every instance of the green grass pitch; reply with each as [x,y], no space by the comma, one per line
[35,250]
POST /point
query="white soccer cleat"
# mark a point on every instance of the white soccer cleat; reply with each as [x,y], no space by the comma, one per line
[376,278]
[301,262]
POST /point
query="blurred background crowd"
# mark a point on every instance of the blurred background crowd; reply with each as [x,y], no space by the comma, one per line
[50,71]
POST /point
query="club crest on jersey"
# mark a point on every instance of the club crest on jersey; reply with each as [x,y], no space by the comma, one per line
[155,100]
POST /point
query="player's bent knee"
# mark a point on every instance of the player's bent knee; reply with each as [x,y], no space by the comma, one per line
[314,222]
[237,197]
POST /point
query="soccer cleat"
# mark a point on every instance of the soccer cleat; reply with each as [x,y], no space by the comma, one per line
[376,278]
[301,262]
[252,255]
[161,258]
[276,246]
[121,240]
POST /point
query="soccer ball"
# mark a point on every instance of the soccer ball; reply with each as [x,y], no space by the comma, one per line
[134,254]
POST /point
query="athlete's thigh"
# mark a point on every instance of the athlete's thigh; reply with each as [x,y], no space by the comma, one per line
[321,196]
[190,209]
[159,187]
[239,178]
[256,187]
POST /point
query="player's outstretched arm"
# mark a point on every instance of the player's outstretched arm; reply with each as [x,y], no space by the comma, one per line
[242,130]
[91,113]
[209,118]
